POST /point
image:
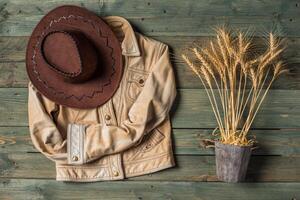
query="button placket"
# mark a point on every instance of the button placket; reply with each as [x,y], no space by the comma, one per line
[106,115]
[116,166]
[109,115]
[115,160]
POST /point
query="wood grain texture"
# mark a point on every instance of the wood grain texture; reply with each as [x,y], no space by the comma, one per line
[185,141]
[27,174]
[155,8]
[191,110]
[279,110]
[13,74]
[27,189]
[188,168]
[13,71]
[156,17]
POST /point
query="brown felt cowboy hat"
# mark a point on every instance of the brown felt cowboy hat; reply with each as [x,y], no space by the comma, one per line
[73,58]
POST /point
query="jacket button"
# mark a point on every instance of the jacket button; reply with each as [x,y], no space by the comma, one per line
[75,158]
[107,117]
[116,173]
[141,81]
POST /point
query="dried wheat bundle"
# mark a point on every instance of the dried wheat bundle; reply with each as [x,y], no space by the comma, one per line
[236,80]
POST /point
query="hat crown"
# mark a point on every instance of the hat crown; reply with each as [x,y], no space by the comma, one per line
[70,54]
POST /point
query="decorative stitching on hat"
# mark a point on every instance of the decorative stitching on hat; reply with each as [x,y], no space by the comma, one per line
[61,93]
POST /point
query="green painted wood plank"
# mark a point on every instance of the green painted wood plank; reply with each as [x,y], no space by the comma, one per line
[191,110]
[157,17]
[186,141]
[15,139]
[13,49]
[13,72]
[270,142]
[279,110]
[17,112]
[27,189]
[188,168]
[154,8]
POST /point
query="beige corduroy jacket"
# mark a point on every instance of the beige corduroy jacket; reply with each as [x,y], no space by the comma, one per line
[128,136]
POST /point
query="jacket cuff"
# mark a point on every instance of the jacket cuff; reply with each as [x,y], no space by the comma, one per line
[75,143]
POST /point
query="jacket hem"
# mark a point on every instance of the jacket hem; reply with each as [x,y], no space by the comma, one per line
[151,171]
[127,174]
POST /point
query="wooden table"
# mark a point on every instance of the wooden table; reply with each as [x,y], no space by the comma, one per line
[274,172]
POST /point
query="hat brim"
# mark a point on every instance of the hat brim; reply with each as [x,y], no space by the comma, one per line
[104,83]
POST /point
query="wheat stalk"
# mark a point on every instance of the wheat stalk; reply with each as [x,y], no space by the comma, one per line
[225,69]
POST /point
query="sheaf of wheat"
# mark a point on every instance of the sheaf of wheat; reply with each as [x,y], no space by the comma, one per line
[236,79]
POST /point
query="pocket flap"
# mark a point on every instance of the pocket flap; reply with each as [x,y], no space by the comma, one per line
[153,139]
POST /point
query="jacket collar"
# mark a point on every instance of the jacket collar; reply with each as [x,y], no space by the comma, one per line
[124,30]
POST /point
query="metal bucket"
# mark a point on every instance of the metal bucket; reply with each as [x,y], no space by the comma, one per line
[232,162]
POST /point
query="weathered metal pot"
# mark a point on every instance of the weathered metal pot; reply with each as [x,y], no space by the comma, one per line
[232,162]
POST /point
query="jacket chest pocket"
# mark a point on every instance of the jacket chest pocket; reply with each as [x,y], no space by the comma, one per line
[135,83]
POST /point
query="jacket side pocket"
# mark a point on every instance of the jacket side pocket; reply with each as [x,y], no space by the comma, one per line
[155,137]
[150,141]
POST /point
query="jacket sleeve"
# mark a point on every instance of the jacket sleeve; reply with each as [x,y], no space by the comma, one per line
[150,109]
[43,131]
